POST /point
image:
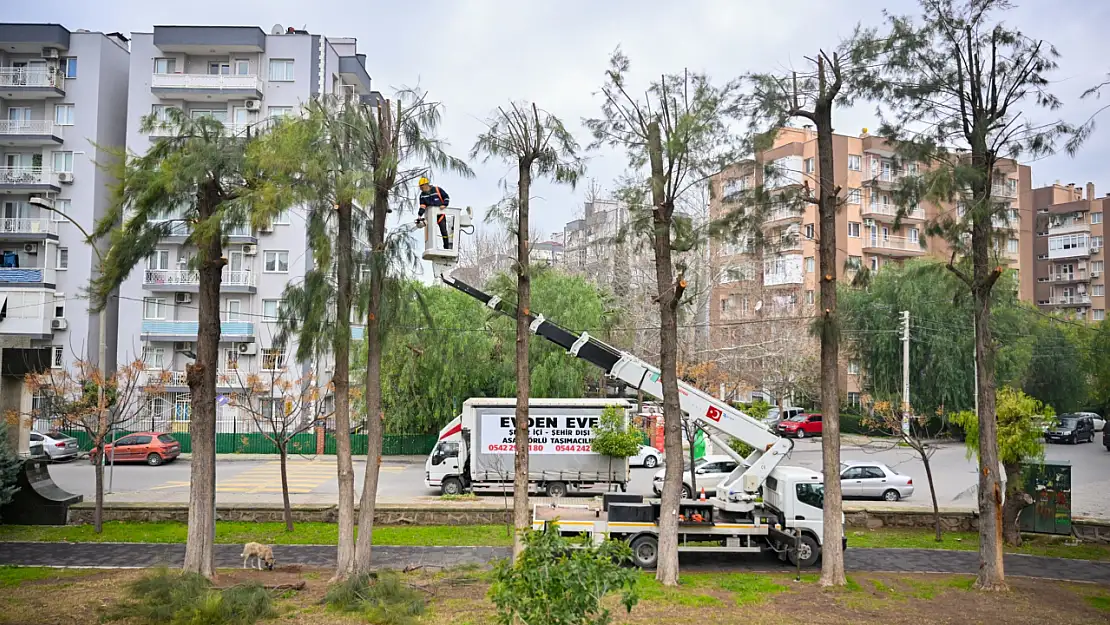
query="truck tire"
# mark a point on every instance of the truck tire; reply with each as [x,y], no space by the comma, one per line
[556,489]
[451,486]
[645,551]
[810,551]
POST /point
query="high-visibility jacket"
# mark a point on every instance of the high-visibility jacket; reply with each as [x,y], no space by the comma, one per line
[435,196]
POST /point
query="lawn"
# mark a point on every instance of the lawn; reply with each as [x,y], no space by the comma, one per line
[458,597]
[1033,544]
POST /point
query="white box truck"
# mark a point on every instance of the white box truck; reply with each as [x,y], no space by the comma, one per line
[475,450]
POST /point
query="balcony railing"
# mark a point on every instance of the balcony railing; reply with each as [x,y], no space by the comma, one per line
[224,377]
[779,214]
[19,77]
[1068,277]
[891,210]
[27,176]
[887,176]
[189,277]
[1069,228]
[228,329]
[894,243]
[169,130]
[35,225]
[30,275]
[29,127]
[206,81]
[1065,300]
[1003,190]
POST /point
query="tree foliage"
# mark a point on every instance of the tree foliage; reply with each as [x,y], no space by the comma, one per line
[1056,375]
[614,436]
[1019,434]
[560,581]
[10,465]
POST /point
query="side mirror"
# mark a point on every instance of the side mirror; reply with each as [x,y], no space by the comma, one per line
[700,471]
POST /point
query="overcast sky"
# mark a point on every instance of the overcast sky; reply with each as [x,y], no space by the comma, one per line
[474,55]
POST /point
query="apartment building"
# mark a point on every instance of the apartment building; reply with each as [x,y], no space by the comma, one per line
[63,96]
[242,76]
[779,279]
[1069,247]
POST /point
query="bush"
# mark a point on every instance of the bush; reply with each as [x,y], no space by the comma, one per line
[10,466]
[741,447]
[173,598]
[382,599]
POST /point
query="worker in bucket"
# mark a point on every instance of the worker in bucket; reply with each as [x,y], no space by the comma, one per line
[434,196]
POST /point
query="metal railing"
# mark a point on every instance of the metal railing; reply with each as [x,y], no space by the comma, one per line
[206,81]
[1002,190]
[21,77]
[891,210]
[1068,277]
[27,175]
[170,130]
[29,127]
[190,277]
[893,243]
[1070,299]
[27,225]
[779,214]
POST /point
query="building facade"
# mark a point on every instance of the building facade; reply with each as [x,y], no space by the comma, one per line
[63,97]
[1069,248]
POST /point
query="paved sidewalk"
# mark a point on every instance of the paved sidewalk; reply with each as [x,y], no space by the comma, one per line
[110,555]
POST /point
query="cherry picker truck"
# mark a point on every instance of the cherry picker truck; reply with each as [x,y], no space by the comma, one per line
[761,506]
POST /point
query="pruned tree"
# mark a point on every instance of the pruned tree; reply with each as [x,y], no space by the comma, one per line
[71,399]
[195,178]
[675,135]
[958,82]
[538,144]
[283,403]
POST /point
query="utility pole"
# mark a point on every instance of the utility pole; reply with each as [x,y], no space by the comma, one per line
[905,372]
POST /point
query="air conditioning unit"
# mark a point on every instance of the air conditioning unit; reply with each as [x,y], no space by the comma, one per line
[868,222]
[1095,274]
[1096,250]
[247,349]
[58,324]
[31,248]
[254,105]
[65,177]
[182,346]
[182,298]
[50,53]
[250,250]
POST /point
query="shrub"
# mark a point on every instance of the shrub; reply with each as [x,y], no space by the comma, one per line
[10,466]
[382,599]
[174,598]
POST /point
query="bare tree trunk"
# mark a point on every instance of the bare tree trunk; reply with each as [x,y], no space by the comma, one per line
[374,425]
[1016,501]
[201,378]
[667,568]
[286,508]
[932,492]
[832,557]
[341,380]
[521,517]
[98,472]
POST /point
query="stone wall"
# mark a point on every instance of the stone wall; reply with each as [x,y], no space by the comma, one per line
[877,516]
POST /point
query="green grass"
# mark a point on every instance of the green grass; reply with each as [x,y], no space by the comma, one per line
[16,575]
[1033,545]
[235,532]
[1099,602]
[684,595]
[750,588]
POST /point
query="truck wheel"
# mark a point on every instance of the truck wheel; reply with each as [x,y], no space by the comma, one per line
[808,551]
[556,489]
[451,486]
[645,552]
[651,462]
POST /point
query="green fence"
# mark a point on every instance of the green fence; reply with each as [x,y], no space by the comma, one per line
[304,443]
[392,444]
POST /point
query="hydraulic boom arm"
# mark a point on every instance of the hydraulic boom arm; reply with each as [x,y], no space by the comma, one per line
[703,409]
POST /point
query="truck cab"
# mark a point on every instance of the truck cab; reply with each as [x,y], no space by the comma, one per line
[445,467]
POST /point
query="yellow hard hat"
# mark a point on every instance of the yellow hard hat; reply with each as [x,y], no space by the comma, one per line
[424,181]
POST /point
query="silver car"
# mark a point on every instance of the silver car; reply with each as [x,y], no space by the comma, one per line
[58,446]
[871,480]
[710,470]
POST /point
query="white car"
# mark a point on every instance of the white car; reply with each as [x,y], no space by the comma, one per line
[1098,421]
[709,470]
[57,445]
[649,457]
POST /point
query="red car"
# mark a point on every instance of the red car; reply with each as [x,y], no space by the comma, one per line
[153,448]
[800,426]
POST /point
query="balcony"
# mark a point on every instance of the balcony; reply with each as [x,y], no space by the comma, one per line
[173,379]
[1003,191]
[24,312]
[1075,251]
[1068,228]
[783,215]
[1074,276]
[30,133]
[28,180]
[881,211]
[29,276]
[30,84]
[233,130]
[892,246]
[1069,300]
[27,229]
[230,331]
[188,281]
[207,87]
[885,179]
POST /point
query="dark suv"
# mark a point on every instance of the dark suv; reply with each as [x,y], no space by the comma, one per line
[1071,428]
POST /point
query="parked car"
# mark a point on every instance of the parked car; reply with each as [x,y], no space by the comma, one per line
[774,417]
[1071,428]
[1099,422]
[710,470]
[872,480]
[37,450]
[800,426]
[1106,438]
[57,445]
[649,457]
[153,448]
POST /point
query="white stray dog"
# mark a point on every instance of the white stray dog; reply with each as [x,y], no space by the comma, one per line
[260,553]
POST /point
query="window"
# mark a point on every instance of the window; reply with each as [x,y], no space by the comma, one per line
[63,114]
[281,111]
[165,66]
[63,161]
[725,303]
[1098,290]
[57,356]
[161,113]
[874,263]
[855,196]
[154,357]
[809,231]
[811,494]
[234,311]
[61,207]
[281,69]
[1096,218]
[855,162]
[853,398]
[70,67]
[276,262]
[231,359]
[809,264]
[809,296]
[266,407]
[59,305]
[242,67]
[744,304]
[809,165]
[270,309]
[154,308]
[1096,241]
[273,359]
[1098,314]
[158,261]
[914,235]
[63,258]
[853,367]
[217,68]
[853,229]
[281,219]
[1096,266]
[1012,246]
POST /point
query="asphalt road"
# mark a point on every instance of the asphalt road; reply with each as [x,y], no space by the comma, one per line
[313,481]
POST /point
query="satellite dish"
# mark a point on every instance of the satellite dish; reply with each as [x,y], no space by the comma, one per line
[278,29]
[758,305]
